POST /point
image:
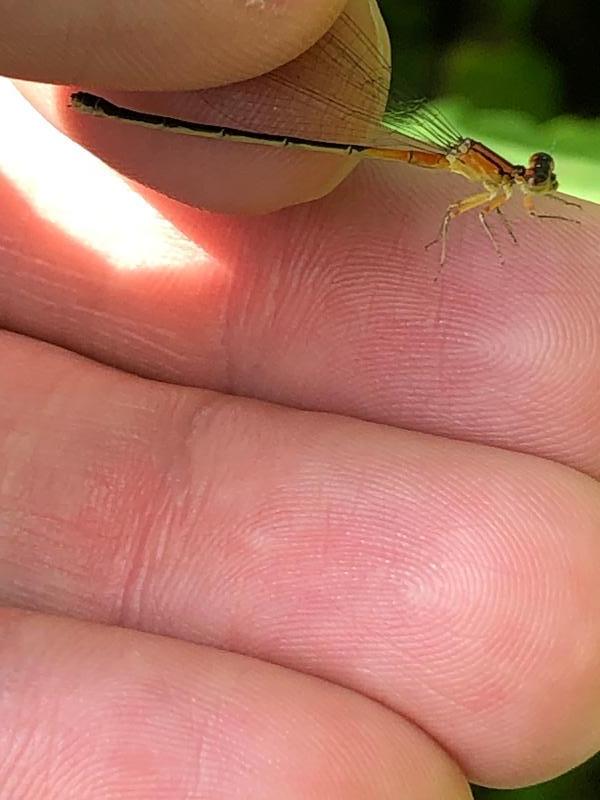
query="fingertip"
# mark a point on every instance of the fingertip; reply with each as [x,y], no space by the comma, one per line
[172,45]
[308,98]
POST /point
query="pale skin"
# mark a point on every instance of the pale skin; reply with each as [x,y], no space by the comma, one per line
[212,596]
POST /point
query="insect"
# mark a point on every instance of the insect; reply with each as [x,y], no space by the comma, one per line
[381,124]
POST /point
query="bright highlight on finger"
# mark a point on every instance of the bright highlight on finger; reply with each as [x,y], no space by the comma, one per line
[86,199]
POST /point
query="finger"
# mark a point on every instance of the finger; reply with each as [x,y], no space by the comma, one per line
[455,583]
[164,44]
[331,306]
[174,720]
[231,177]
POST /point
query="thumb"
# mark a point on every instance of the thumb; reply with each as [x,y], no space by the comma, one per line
[157,44]
[235,177]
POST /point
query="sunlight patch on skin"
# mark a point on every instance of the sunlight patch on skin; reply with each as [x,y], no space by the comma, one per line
[85,198]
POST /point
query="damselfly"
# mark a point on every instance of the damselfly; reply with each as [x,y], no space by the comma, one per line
[377,123]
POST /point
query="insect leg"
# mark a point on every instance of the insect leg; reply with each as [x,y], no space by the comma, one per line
[456,209]
[530,207]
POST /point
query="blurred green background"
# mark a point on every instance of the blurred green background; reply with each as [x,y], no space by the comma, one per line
[522,75]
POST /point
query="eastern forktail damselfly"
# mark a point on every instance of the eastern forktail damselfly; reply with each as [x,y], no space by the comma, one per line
[410,131]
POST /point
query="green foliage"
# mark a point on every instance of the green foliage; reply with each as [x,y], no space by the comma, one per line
[503,75]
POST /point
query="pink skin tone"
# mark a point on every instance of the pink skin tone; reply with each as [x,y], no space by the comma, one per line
[211,588]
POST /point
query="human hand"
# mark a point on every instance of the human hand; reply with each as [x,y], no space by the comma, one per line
[157,528]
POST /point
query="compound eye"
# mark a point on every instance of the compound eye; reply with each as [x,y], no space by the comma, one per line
[542,162]
[540,172]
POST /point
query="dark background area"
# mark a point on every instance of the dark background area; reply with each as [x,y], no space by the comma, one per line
[536,56]
[539,56]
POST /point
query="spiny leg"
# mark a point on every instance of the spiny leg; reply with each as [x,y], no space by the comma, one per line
[490,235]
[442,235]
[508,226]
[530,207]
[494,205]
[455,210]
[563,201]
[555,216]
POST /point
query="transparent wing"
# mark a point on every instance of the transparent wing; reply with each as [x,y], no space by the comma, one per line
[337,91]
